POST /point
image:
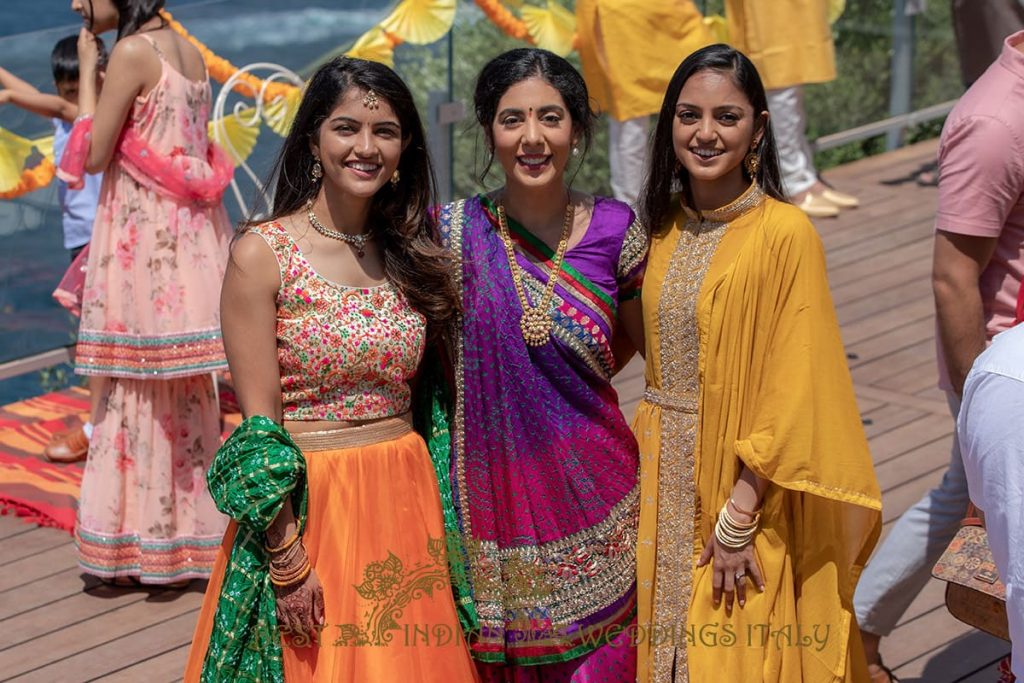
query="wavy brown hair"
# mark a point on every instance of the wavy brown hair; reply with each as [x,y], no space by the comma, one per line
[413,261]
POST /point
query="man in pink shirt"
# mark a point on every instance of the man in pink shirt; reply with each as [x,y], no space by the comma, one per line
[977,272]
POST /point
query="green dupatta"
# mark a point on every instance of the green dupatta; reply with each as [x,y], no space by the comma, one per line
[253,474]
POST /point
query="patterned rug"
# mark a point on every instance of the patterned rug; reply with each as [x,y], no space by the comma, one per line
[45,493]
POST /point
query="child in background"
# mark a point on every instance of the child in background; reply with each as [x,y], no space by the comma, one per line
[78,207]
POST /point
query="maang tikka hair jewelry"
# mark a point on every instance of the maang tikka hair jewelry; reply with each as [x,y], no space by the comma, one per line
[370,100]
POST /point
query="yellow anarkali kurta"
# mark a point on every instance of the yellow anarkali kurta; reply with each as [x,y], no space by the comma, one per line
[789,41]
[745,366]
[629,50]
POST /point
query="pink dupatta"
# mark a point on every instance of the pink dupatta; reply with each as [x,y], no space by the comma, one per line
[183,177]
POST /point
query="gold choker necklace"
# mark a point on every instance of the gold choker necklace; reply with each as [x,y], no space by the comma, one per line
[536,321]
[358,242]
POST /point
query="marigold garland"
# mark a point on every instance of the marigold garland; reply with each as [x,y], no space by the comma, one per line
[32,179]
[501,17]
[221,69]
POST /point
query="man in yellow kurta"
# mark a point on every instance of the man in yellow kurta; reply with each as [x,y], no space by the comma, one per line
[629,50]
[746,369]
[790,43]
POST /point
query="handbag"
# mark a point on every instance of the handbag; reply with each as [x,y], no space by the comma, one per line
[974,593]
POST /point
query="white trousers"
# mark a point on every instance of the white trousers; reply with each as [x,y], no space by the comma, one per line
[786,107]
[627,157]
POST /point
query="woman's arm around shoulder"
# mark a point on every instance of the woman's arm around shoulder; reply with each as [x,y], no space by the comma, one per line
[248,312]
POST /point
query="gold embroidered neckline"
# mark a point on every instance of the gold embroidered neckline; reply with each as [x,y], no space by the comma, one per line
[750,199]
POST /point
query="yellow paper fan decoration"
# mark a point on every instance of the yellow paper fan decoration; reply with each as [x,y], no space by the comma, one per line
[45,147]
[718,27]
[280,113]
[237,135]
[420,22]
[14,151]
[375,46]
[551,27]
[835,10]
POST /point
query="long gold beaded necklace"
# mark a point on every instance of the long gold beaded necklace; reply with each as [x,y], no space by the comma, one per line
[536,321]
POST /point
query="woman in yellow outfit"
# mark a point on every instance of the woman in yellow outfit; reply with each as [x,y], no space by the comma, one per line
[757,486]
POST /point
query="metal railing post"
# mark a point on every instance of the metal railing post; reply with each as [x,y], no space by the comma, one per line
[902,69]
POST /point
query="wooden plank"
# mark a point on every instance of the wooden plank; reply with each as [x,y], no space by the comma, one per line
[10,525]
[888,319]
[986,674]
[888,298]
[937,647]
[117,654]
[930,456]
[73,609]
[863,227]
[919,250]
[84,637]
[880,282]
[43,591]
[877,369]
[38,566]
[886,417]
[906,225]
[166,666]
[895,339]
[913,380]
[37,540]
[907,438]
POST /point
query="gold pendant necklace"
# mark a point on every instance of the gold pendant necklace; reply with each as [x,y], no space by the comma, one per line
[535,324]
[358,242]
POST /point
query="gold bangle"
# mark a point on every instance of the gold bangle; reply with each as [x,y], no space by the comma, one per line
[284,546]
[285,582]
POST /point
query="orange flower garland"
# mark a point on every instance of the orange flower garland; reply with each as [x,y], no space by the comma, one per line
[32,179]
[504,19]
[221,69]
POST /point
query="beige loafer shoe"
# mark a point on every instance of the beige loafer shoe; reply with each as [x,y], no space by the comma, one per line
[816,206]
[840,199]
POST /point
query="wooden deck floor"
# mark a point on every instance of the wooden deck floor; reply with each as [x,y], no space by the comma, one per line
[56,625]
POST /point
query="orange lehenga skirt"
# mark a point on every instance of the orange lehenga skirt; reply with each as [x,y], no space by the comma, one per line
[375,536]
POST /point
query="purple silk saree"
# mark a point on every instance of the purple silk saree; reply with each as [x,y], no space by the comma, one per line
[544,466]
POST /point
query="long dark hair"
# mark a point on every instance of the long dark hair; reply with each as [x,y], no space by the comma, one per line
[517,65]
[665,175]
[132,14]
[401,213]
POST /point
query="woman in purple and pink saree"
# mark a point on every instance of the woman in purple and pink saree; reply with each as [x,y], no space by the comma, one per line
[544,466]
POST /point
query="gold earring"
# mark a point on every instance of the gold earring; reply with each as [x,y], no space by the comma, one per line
[751,162]
[318,172]
[395,177]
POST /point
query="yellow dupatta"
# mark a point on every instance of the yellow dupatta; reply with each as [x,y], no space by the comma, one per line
[774,394]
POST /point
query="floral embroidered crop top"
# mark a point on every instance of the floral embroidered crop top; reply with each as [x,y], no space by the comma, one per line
[345,353]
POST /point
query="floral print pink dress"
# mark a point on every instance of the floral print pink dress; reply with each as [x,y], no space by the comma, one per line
[150,323]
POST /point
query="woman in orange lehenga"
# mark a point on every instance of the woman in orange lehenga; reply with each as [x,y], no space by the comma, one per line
[327,307]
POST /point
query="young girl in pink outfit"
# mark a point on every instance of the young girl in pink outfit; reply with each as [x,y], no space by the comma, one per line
[150,322]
